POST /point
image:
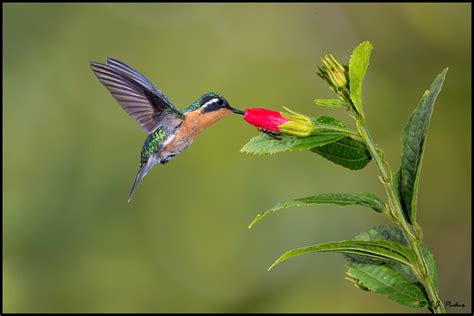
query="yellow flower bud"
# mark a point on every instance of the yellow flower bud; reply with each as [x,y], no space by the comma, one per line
[335,72]
[298,124]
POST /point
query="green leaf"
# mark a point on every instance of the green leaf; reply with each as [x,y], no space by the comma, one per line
[346,152]
[302,143]
[332,103]
[394,280]
[266,145]
[377,249]
[327,124]
[396,183]
[342,199]
[414,140]
[384,279]
[357,67]
[425,251]
[383,232]
[327,120]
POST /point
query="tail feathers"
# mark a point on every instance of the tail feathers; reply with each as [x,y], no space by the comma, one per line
[141,173]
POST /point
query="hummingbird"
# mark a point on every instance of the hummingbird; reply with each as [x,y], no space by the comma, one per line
[169,130]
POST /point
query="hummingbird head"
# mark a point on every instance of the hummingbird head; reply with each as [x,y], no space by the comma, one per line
[207,110]
[214,102]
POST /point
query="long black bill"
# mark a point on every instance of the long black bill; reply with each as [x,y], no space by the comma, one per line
[235,110]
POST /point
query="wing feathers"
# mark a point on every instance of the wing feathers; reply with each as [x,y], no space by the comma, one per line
[135,94]
[129,71]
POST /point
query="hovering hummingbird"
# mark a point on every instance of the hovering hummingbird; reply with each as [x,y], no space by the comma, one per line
[169,130]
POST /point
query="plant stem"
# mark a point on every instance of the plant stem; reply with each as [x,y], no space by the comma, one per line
[414,237]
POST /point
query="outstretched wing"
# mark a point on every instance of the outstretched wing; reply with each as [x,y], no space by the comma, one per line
[136,94]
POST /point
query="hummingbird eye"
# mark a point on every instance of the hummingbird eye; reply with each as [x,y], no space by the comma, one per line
[220,102]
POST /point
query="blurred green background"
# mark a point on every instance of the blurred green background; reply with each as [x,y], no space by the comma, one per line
[73,244]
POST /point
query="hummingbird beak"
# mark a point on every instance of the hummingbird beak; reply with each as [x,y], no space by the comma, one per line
[235,110]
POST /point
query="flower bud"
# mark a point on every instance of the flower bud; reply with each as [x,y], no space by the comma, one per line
[264,119]
[298,124]
[336,75]
[290,123]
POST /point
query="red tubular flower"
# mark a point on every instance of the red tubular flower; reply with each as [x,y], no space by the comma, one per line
[264,119]
[289,122]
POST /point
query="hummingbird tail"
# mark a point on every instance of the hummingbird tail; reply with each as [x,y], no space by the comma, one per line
[141,173]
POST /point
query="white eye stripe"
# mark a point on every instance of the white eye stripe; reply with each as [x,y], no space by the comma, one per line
[211,101]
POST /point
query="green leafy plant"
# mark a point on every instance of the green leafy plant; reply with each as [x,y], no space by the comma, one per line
[390,260]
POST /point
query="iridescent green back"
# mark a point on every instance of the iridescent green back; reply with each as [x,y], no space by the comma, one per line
[151,144]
